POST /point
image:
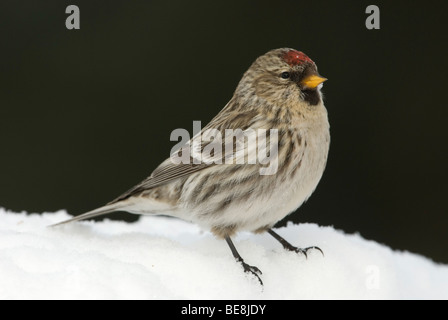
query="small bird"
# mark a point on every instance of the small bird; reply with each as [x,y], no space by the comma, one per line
[279,93]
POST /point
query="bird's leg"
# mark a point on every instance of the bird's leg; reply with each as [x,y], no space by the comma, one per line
[289,246]
[247,268]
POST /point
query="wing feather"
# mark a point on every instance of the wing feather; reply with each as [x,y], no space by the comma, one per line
[169,171]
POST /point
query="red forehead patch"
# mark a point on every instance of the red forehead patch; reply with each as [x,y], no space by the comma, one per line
[294,58]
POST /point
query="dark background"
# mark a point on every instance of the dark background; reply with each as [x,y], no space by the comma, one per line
[86,114]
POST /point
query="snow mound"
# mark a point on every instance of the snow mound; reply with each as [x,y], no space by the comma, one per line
[164,258]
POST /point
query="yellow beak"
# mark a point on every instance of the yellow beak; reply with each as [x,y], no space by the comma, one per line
[312,81]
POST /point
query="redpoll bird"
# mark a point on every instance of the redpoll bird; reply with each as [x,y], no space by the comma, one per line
[279,93]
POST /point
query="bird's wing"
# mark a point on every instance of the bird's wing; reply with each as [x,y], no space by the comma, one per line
[165,173]
[168,170]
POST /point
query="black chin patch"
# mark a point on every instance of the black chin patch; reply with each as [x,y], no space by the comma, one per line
[311,96]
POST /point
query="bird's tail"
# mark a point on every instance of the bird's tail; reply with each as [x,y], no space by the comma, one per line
[94,213]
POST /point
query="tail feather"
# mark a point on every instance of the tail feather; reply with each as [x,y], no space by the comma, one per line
[91,214]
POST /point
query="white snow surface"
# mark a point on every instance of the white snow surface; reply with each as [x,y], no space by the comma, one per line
[165,258]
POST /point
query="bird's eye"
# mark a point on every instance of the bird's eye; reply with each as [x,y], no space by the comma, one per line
[285,75]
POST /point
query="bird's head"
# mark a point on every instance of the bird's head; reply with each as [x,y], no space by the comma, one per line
[281,76]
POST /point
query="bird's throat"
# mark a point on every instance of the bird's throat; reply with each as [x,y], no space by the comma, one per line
[312,96]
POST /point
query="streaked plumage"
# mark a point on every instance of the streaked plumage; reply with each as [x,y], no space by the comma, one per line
[279,91]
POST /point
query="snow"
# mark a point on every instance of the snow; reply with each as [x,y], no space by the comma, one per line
[165,258]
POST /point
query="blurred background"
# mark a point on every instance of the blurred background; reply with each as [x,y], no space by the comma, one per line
[86,114]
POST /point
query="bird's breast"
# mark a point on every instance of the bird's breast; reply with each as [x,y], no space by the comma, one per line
[308,155]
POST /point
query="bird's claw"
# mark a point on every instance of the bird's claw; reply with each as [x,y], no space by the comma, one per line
[305,250]
[253,270]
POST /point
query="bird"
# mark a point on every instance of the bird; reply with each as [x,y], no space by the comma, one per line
[279,94]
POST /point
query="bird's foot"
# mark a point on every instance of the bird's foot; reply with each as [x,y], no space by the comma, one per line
[290,247]
[303,251]
[252,270]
